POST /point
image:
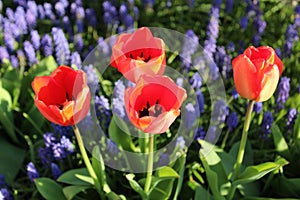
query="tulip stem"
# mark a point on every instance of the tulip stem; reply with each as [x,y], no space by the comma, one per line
[241,152]
[150,164]
[86,159]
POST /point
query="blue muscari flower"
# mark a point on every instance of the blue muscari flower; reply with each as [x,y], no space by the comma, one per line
[232,121]
[46,155]
[48,11]
[148,3]
[30,53]
[190,115]
[102,111]
[136,13]
[103,46]
[10,14]
[278,52]
[20,2]
[213,71]
[21,22]
[128,21]
[91,16]
[9,42]
[35,39]
[118,105]
[41,12]
[291,36]
[244,22]
[63,130]
[59,152]
[91,74]
[282,92]
[267,124]
[31,5]
[230,47]
[234,93]
[190,46]
[258,106]
[79,43]
[14,61]
[211,134]
[3,53]
[56,172]
[32,173]
[229,6]
[219,111]
[291,117]
[180,142]
[62,50]
[67,144]
[80,14]
[49,139]
[256,40]
[1,6]
[47,47]
[259,24]
[212,30]
[179,82]
[5,194]
[110,13]
[30,19]
[65,3]
[67,26]
[200,99]
[76,60]
[112,148]
[196,81]
[163,159]
[200,133]
[223,61]
[60,9]
[123,10]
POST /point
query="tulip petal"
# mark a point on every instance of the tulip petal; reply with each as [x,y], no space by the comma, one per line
[269,83]
[279,64]
[39,82]
[48,113]
[245,77]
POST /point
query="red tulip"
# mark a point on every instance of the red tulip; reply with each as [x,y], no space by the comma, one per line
[63,97]
[256,73]
[139,53]
[154,103]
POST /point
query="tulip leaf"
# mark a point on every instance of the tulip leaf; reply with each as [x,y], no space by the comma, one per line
[11,159]
[286,187]
[71,191]
[49,189]
[6,115]
[120,135]
[297,131]
[136,186]
[253,173]
[280,143]
[161,188]
[167,172]
[202,194]
[76,177]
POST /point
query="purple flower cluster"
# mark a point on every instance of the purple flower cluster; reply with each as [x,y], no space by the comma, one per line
[55,148]
[32,172]
[266,124]
[220,111]
[282,92]
[190,45]
[291,117]
[223,61]
[103,111]
[232,121]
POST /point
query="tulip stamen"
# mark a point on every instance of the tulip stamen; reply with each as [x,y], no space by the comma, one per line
[157,108]
[149,58]
[145,111]
[60,106]
[131,56]
[67,96]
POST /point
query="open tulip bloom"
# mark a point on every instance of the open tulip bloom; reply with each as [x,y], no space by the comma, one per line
[154,103]
[63,97]
[139,53]
[256,73]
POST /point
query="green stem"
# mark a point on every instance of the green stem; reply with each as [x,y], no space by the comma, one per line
[241,152]
[150,164]
[86,159]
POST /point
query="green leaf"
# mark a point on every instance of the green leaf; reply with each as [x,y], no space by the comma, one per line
[10,80]
[167,172]
[135,186]
[297,131]
[76,177]
[280,143]
[108,87]
[71,191]
[49,189]
[286,187]
[6,115]
[202,194]
[215,172]
[11,159]
[248,156]
[121,135]
[253,173]
[161,188]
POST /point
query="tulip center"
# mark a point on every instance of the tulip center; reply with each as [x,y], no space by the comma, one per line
[154,110]
[141,57]
[61,106]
